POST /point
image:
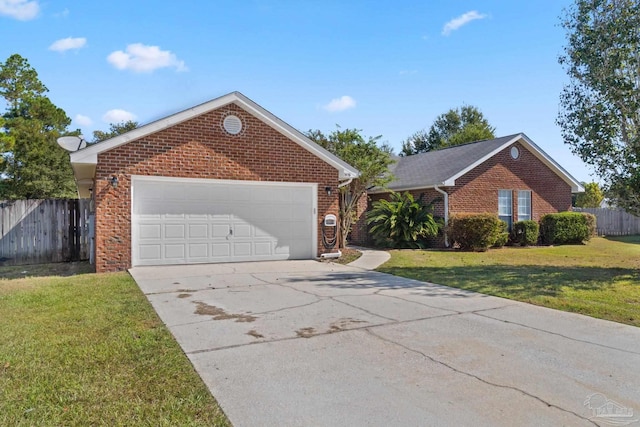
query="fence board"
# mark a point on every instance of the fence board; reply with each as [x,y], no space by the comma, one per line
[613,222]
[40,231]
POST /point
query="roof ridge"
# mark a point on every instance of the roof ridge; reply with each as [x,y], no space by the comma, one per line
[466,144]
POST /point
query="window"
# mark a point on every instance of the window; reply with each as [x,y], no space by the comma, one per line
[524,205]
[505,206]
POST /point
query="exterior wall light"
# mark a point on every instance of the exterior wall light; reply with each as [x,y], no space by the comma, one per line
[114,181]
[328,190]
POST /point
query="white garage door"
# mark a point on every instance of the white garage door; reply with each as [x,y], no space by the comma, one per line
[186,221]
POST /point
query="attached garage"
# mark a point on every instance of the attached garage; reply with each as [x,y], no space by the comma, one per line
[224,181]
[187,221]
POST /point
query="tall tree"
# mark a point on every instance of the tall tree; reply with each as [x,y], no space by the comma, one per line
[371,159]
[33,165]
[115,129]
[592,196]
[456,126]
[600,106]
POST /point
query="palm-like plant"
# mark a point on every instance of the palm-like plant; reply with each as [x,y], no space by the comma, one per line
[402,221]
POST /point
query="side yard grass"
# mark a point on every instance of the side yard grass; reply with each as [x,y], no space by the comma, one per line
[600,279]
[88,349]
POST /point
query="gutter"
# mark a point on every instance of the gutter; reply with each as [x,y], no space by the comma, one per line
[446,212]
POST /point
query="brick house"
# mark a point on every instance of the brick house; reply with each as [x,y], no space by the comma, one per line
[509,176]
[223,181]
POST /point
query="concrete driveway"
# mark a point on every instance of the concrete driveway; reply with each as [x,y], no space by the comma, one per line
[298,343]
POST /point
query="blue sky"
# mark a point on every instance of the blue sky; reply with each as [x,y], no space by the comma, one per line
[388,68]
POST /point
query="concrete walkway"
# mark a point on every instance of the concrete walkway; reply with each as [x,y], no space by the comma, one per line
[370,259]
[306,343]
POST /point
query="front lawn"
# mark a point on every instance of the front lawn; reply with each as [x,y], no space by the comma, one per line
[87,350]
[599,279]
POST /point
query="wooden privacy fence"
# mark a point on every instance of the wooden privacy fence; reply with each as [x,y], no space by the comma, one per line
[41,231]
[613,222]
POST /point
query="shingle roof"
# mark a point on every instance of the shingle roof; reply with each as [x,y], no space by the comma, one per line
[443,167]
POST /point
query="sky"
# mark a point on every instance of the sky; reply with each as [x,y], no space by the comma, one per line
[387,68]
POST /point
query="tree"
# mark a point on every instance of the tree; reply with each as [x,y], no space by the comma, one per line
[592,196]
[402,221]
[600,106]
[371,160]
[456,126]
[115,129]
[33,165]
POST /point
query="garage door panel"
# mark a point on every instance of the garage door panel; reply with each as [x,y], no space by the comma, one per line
[220,250]
[198,250]
[241,249]
[174,251]
[150,252]
[198,231]
[212,221]
[150,231]
[174,231]
[263,248]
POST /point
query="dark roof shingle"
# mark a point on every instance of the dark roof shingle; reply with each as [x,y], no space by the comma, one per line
[435,167]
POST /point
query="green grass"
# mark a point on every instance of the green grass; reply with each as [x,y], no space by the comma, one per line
[89,350]
[599,279]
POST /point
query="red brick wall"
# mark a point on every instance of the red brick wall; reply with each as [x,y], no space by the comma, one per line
[199,148]
[477,191]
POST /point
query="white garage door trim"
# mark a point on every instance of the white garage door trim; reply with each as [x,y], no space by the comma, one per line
[227,220]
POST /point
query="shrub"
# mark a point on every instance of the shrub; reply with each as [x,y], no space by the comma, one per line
[525,233]
[592,223]
[564,228]
[402,222]
[477,232]
[503,235]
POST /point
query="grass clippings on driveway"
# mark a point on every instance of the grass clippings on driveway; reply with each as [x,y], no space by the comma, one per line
[599,279]
[90,350]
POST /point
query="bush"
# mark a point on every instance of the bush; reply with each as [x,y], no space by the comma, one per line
[564,228]
[476,232]
[592,223]
[503,235]
[402,222]
[525,233]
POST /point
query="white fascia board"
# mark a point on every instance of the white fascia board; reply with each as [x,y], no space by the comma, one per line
[90,154]
[408,188]
[535,150]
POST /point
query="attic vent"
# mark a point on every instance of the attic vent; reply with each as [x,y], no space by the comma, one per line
[232,124]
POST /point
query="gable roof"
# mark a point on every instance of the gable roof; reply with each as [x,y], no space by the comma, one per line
[443,167]
[84,161]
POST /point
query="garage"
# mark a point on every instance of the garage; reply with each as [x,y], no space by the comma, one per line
[187,221]
[223,181]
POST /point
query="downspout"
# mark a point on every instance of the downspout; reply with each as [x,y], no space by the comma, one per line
[446,213]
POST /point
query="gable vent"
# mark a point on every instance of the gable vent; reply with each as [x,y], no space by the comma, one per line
[232,124]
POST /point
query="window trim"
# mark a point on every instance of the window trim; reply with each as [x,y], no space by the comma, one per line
[507,217]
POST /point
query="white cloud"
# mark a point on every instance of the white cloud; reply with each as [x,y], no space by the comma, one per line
[340,104]
[22,10]
[461,20]
[141,58]
[408,72]
[118,116]
[83,120]
[69,43]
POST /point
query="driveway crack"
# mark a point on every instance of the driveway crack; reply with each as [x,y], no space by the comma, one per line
[469,374]
[362,309]
[558,334]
